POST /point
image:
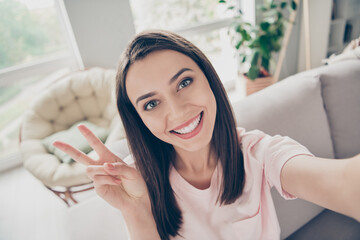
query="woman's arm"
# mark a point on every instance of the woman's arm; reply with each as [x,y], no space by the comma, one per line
[141,225]
[121,185]
[331,183]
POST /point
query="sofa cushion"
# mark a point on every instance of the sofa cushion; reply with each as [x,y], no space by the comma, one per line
[340,89]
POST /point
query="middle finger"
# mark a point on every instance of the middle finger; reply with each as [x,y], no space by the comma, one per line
[94,170]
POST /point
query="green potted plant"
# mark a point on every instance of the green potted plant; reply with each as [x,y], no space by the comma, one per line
[257,43]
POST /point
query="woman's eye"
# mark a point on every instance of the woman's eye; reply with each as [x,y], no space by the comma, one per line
[150,105]
[185,83]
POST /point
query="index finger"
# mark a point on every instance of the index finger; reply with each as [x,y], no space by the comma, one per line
[74,153]
[97,144]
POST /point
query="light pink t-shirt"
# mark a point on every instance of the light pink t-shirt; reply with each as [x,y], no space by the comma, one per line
[253,215]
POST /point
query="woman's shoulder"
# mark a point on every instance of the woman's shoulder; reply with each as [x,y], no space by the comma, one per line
[254,143]
[249,136]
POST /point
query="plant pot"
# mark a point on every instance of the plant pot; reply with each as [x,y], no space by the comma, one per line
[257,84]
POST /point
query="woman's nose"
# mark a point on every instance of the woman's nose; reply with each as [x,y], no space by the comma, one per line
[176,109]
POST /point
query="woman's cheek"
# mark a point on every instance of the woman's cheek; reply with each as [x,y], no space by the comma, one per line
[155,125]
[206,96]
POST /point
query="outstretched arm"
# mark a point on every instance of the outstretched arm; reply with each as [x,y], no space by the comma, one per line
[331,183]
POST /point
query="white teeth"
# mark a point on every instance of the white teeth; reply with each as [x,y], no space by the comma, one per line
[190,127]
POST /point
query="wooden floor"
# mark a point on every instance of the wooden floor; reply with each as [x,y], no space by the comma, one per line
[29,211]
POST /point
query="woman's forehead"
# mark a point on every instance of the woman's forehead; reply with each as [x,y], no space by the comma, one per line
[157,67]
[159,62]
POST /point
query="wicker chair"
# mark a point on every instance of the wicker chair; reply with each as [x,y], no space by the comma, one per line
[83,95]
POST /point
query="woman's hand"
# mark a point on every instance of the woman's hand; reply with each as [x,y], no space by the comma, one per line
[117,183]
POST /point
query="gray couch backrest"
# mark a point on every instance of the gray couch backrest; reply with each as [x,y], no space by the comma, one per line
[341,95]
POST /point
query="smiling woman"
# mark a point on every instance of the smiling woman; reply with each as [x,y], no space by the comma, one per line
[193,174]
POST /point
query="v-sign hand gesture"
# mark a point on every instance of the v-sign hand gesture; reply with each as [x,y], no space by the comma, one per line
[116,182]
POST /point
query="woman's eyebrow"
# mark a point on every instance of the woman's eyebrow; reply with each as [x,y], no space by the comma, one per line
[178,74]
[150,94]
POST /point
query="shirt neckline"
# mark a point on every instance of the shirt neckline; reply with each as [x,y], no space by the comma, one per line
[175,175]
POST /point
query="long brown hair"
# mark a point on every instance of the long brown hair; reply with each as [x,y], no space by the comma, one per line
[153,156]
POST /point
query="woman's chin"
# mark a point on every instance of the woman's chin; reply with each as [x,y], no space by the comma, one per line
[192,147]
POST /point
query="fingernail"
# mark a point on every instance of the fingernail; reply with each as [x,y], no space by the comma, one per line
[80,126]
[110,165]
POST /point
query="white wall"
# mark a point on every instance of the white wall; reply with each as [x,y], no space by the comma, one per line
[320,17]
[290,62]
[102,28]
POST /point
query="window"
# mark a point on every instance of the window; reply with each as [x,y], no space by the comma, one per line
[30,30]
[203,22]
[33,44]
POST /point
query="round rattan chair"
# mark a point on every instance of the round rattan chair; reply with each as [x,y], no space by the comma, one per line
[82,95]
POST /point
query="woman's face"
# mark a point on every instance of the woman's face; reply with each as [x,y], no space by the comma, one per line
[173,98]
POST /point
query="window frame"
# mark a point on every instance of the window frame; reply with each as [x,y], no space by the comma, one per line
[44,65]
[70,59]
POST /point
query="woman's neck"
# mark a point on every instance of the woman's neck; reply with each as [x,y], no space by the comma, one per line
[196,168]
[198,162]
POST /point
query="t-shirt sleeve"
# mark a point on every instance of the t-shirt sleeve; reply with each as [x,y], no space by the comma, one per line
[272,152]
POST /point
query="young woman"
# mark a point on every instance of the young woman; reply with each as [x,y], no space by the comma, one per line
[197,176]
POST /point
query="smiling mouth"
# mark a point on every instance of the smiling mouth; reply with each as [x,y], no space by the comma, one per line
[190,127]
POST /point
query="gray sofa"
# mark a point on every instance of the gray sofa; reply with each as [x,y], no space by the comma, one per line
[320,109]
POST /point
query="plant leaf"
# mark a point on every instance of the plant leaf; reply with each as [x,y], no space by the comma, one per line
[293,5]
[244,59]
[264,26]
[283,5]
[245,35]
[264,43]
[254,59]
[239,43]
[222,1]
[253,72]
[262,8]
[273,5]
[265,63]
